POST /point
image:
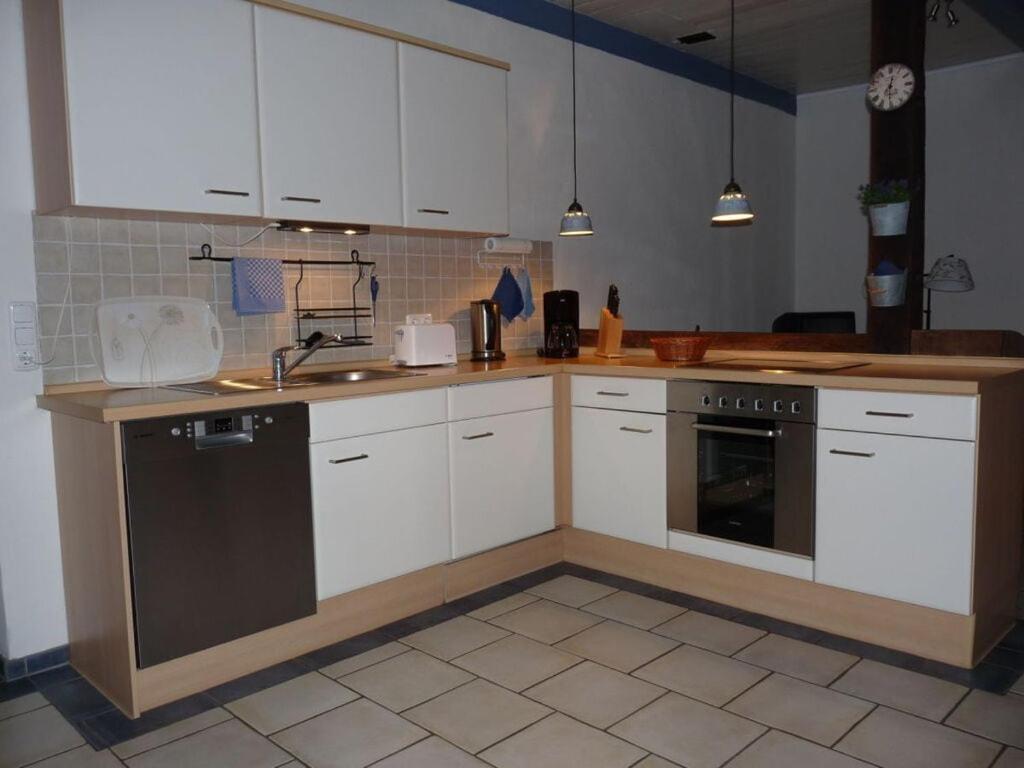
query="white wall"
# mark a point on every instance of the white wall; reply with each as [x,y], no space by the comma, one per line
[30,576]
[973,195]
[653,159]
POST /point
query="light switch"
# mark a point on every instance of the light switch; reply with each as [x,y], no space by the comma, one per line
[24,346]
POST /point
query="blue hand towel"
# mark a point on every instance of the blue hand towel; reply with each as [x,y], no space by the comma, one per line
[508,295]
[257,286]
[526,289]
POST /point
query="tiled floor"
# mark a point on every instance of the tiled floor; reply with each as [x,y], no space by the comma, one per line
[565,667]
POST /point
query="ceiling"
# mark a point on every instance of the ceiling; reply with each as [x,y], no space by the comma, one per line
[796,45]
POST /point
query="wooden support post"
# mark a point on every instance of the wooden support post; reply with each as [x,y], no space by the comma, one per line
[897,152]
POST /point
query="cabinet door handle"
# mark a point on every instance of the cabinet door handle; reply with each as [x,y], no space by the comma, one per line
[360,457]
[438,211]
[297,199]
[228,192]
[724,430]
[612,394]
[858,454]
[478,437]
[889,414]
[636,430]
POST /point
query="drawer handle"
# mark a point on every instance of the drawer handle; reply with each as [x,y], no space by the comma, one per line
[636,430]
[889,414]
[438,211]
[478,437]
[360,457]
[612,394]
[228,192]
[296,199]
[858,454]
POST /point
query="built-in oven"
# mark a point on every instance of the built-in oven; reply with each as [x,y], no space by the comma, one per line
[741,463]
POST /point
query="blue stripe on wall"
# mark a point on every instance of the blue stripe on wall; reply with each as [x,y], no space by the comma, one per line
[551,18]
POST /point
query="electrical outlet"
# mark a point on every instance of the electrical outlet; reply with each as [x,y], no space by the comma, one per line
[24,336]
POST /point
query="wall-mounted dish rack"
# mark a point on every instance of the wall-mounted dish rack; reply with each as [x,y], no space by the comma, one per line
[353,312]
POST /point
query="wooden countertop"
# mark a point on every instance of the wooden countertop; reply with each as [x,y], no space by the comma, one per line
[962,376]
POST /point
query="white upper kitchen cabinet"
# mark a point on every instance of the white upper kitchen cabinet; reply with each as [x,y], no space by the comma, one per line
[454,142]
[619,474]
[895,517]
[328,110]
[153,106]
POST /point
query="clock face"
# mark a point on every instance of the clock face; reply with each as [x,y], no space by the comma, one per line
[891,87]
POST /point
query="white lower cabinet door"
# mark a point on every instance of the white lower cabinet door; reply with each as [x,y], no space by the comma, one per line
[618,474]
[502,479]
[895,517]
[380,507]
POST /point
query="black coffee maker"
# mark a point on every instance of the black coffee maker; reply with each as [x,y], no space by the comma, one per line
[561,324]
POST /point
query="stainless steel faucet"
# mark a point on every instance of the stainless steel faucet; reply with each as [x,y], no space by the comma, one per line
[279,359]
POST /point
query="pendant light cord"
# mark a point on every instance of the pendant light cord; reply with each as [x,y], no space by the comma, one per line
[732,91]
[575,183]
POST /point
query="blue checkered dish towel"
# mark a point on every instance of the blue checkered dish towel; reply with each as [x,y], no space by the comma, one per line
[257,286]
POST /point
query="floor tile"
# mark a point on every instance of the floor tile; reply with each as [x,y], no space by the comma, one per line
[405,681]
[15,689]
[1000,718]
[504,605]
[228,745]
[618,646]
[181,717]
[170,733]
[571,591]
[454,637]
[516,662]
[636,610]
[431,753]
[289,703]
[688,732]
[797,659]
[345,649]
[82,757]
[258,681]
[419,621]
[780,750]
[35,735]
[1018,687]
[364,659]
[1011,758]
[351,736]
[709,632]
[901,689]
[809,711]
[545,621]
[21,705]
[77,698]
[894,739]
[558,742]
[477,715]
[701,675]
[594,694]
[653,761]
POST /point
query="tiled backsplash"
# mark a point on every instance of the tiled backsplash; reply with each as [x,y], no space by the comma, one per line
[108,258]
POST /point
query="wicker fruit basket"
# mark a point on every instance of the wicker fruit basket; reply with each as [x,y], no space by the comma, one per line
[681,348]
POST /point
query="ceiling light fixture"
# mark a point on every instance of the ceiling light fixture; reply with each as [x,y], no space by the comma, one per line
[733,207]
[951,18]
[933,14]
[575,221]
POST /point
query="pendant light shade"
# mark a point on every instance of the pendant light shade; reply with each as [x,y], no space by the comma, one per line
[733,206]
[575,221]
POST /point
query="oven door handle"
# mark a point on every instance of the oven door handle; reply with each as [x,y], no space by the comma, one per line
[737,430]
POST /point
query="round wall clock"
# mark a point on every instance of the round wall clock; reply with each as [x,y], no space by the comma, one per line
[891,87]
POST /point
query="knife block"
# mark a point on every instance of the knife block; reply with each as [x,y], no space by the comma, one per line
[609,335]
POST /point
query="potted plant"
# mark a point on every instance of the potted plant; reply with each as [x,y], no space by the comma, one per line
[887,204]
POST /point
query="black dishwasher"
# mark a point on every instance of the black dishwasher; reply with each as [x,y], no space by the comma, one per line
[220,526]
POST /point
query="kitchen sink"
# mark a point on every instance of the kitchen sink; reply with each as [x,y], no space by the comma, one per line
[230,386]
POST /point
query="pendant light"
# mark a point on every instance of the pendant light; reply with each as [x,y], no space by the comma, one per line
[732,206]
[575,221]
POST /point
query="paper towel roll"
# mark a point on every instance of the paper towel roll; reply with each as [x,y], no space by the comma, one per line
[508,245]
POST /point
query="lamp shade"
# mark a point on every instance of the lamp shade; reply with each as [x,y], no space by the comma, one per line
[732,206]
[576,222]
[949,274]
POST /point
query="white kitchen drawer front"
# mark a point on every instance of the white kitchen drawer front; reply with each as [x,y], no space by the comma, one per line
[472,401]
[380,507]
[619,393]
[618,474]
[953,417]
[502,479]
[895,517]
[354,416]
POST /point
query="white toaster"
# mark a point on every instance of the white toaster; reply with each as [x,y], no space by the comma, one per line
[427,344]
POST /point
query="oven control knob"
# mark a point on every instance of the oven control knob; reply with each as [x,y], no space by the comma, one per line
[759,404]
[778,406]
[740,403]
[795,407]
[175,431]
[723,402]
[268,419]
[705,400]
